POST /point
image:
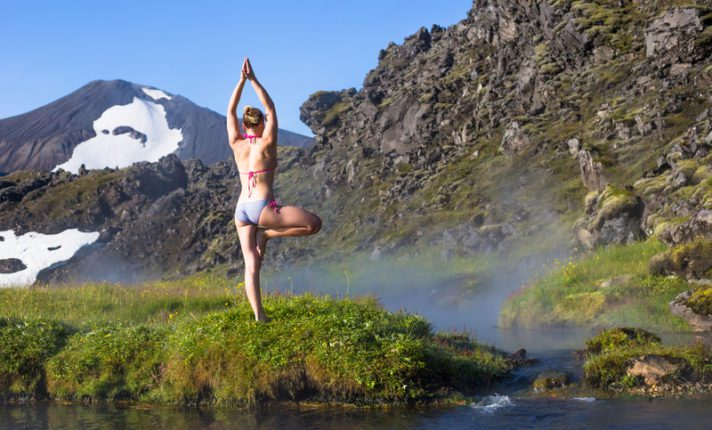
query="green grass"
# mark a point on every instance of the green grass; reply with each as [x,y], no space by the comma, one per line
[25,346]
[571,292]
[88,305]
[606,367]
[195,341]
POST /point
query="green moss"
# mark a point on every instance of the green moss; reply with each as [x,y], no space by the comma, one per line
[651,186]
[693,259]
[701,301]
[550,380]
[607,366]
[549,69]
[615,338]
[385,102]
[687,167]
[332,116]
[613,201]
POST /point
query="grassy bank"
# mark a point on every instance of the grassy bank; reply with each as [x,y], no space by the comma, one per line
[195,341]
[610,287]
[611,357]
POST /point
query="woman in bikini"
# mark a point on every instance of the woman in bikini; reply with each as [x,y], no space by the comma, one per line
[258,217]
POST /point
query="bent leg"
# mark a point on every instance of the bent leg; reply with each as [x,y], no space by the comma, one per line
[290,221]
[253,264]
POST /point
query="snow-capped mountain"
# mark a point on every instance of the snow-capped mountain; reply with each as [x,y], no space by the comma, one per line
[114,124]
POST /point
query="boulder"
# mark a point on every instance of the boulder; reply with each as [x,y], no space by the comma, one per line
[699,225]
[550,380]
[591,171]
[616,217]
[691,260]
[574,146]
[514,140]
[680,307]
[676,27]
[654,369]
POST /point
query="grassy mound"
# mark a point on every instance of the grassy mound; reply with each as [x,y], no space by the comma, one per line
[316,348]
[616,338]
[610,355]
[25,347]
[609,287]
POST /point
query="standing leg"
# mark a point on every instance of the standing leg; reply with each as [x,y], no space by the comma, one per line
[253,264]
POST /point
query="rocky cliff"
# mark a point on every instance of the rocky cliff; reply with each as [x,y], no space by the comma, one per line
[523,127]
[492,131]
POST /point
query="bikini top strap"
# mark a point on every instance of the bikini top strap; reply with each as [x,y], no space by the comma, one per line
[252,178]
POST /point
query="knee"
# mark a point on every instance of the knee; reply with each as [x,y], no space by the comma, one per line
[315,225]
[252,264]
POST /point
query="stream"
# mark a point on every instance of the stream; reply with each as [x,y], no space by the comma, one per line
[505,406]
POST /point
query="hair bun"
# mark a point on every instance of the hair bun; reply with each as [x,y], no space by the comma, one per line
[251,116]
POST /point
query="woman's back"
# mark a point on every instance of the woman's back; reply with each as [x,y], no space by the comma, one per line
[256,159]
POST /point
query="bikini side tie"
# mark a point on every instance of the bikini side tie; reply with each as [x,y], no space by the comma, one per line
[273,205]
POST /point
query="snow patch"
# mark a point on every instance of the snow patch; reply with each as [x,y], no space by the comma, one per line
[122,150]
[156,94]
[39,251]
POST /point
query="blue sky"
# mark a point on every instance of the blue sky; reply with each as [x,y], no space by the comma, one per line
[195,48]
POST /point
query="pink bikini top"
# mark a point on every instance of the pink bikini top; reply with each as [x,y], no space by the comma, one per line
[252,174]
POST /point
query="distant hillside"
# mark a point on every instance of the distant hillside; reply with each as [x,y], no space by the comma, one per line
[130,122]
[525,127]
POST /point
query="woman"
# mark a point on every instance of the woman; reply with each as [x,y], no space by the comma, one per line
[258,217]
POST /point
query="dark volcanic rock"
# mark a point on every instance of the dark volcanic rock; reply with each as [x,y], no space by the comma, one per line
[11,265]
[155,219]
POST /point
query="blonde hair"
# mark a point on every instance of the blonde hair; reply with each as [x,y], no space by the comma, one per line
[251,117]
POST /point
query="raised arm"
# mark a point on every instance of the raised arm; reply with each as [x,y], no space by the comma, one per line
[270,133]
[233,125]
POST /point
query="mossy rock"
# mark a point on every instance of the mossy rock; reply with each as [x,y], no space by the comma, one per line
[334,113]
[614,202]
[629,358]
[623,337]
[693,259]
[550,380]
[651,186]
[700,301]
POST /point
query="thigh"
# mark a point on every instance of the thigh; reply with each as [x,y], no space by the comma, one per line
[287,216]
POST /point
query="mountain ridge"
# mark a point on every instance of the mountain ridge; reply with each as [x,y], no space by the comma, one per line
[524,128]
[46,136]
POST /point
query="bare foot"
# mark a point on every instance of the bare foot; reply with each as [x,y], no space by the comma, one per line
[263,319]
[261,239]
